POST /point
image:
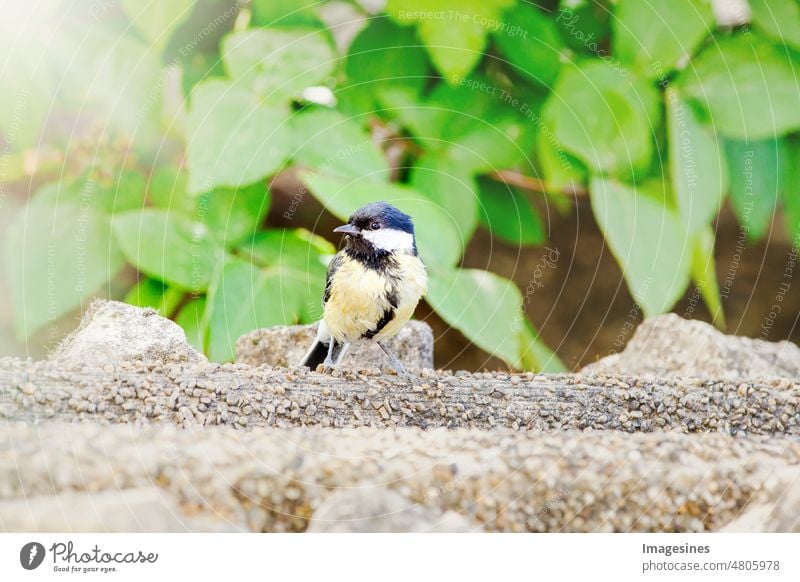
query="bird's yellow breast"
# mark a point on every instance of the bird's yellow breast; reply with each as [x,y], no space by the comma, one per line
[359,297]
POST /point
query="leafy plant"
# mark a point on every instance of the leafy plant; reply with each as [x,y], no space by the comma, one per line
[466,114]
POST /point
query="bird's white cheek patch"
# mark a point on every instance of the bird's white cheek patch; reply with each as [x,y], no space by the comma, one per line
[390,239]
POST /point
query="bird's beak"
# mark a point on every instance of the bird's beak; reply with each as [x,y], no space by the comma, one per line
[348,229]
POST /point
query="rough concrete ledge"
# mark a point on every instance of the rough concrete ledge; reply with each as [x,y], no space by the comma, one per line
[245,397]
[285,345]
[499,480]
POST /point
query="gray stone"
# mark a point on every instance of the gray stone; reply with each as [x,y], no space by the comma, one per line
[285,346]
[144,509]
[376,509]
[671,346]
[111,332]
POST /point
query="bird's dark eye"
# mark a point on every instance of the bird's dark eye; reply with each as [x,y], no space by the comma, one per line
[375,225]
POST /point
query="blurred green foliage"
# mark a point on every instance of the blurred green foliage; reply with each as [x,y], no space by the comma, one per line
[156,127]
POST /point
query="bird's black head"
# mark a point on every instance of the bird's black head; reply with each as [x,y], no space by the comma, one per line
[380,215]
[379,227]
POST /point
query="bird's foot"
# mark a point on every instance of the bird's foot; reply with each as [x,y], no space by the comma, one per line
[400,370]
[396,364]
[326,367]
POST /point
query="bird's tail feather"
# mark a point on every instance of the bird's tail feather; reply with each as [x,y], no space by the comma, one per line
[320,348]
[316,355]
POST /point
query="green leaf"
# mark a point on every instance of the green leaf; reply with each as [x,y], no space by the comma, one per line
[755,174]
[232,215]
[128,193]
[562,170]
[454,31]
[193,321]
[451,187]
[503,143]
[532,43]
[424,119]
[779,19]
[284,13]
[26,96]
[791,208]
[383,55]
[509,215]
[698,170]
[199,67]
[123,193]
[704,274]
[748,85]
[477,123]
[653,38]
[474,103]
[483,306]
[169,247]
[153,293]
[105,77]
[158,18]
[603,117]
[243,298]
[295,248]
[790,189]
[233,139]
[168,190]
[119,82]
[585,26]
[57,255]
[300,254]
[648,240]
[196,40]
[438,237]
[278,63]
[332,144]
[536,356]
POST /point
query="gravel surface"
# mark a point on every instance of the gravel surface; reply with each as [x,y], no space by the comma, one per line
[246,397]
[499,480]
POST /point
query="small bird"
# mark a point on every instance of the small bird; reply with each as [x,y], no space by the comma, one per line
[373,285]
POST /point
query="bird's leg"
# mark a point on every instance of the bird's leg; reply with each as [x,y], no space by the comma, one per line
[328,364]
[339,356]
[336,352]
[394,362]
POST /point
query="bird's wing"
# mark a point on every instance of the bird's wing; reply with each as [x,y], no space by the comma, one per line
[333,266]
